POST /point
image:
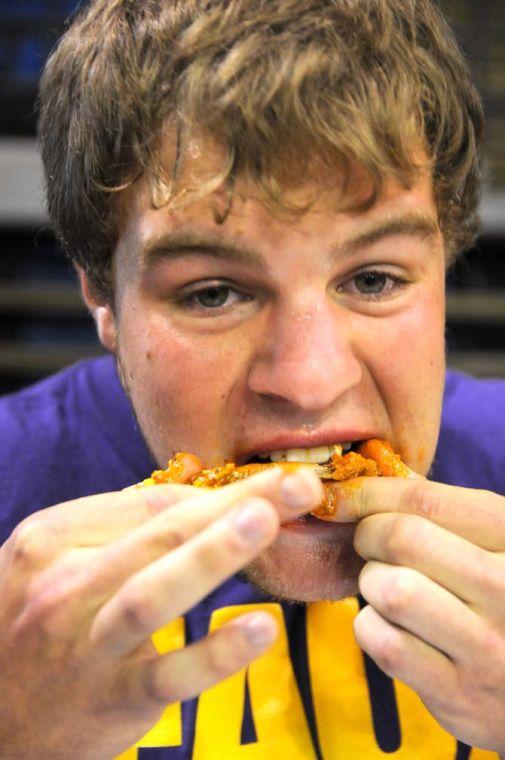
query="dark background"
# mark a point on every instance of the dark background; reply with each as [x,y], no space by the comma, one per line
[43,324]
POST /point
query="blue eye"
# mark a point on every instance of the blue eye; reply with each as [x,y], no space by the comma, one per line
[371,283]
[213,297]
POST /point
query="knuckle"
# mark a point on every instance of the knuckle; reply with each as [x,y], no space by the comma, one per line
[388,653]
[364,500]
[44,615]
[494,648]
[158,685]
[30,542]
[490,576]
[170,537]
[138,611]
[402,538]
[491,649]
[398,596]
[222,659]
[424,500]
[44,610]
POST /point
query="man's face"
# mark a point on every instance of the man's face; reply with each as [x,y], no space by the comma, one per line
[263,334]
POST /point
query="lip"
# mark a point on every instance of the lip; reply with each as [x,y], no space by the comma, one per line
[312,527]
[304,440]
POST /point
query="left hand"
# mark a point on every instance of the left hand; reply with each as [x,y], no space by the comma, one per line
[435,582]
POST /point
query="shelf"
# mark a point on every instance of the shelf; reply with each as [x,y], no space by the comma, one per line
[476,306]
[478,363]
[28,359]
[41,299]
[21,183]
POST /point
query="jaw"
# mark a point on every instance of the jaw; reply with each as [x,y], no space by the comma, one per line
[307,565]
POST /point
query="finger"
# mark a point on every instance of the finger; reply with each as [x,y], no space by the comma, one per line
[402,655]
[173,584]
[474,575]
[291,494]
[405,597]
[187,672]
[102,518]
[88,521]
[476,515]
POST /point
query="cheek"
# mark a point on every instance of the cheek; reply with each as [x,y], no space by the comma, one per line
[184,379]
[413,341]
[182,370]
[409,372]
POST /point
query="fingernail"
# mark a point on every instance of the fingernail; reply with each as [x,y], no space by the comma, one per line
[259,629]
[250,522]
[299,489]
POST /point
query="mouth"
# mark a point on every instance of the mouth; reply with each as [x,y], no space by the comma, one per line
[333,463]
[317,455]
[336,462]
[321,458]
[311,526]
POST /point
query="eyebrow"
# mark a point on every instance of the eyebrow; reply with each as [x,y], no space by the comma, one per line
[413,224]
[189,243]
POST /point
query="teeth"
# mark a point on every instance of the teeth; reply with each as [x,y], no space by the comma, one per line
[317,454]
[277,456]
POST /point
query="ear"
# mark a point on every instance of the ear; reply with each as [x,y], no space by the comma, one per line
[101,311]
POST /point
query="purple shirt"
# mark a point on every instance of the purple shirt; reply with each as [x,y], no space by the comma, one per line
[74,434]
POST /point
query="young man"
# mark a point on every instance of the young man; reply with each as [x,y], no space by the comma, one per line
[261,200]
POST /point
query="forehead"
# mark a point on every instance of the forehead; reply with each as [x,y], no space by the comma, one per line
[337,204]
[250,228]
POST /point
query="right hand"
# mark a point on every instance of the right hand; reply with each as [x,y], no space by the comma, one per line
[83,586]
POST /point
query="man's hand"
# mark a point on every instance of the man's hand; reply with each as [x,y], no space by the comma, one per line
[435,583]
[84,584]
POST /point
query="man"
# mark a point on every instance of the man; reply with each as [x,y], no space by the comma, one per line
[261,200]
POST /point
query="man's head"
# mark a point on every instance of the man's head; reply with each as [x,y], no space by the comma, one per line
[285,87]
[262,198]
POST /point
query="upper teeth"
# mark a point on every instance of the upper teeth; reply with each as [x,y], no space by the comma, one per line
[317,454]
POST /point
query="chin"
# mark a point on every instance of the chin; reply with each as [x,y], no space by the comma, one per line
[309,561]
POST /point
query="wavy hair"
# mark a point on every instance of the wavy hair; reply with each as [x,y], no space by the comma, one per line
[281,85]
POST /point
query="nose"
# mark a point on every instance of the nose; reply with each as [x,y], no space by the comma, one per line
[307,357]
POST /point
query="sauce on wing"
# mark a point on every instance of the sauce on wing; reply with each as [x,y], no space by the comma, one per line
[373,458]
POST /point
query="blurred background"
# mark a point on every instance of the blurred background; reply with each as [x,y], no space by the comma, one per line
[43,323]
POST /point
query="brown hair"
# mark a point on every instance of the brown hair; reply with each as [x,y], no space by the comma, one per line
[280,84]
